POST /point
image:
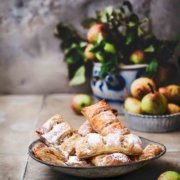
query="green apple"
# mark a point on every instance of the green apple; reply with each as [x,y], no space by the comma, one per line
[169,175]
[109,48]
[95,32]
[137,57]
[79,101]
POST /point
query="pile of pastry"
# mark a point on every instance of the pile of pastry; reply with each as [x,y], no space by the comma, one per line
[102,140]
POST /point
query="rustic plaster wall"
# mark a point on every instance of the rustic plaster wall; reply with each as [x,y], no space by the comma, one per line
[31,61]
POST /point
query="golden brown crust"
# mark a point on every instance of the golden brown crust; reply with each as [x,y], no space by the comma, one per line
[85,129]
[90,145]
[110,159]
[150,151]
[48,154]
[48,125]
[103,120]
[94,144]
[57,134]
[103,139]
[90,111]
[68,145]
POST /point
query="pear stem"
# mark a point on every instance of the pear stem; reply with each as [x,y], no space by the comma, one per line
[151,87]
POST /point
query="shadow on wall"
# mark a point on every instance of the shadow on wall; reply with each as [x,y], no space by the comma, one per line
[31,61]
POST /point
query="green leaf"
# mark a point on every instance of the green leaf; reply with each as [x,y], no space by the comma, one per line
[83,44]
[102,16]
[98,47]
[152,67]
[140,31]
[108,67]
[79,77]
[74,54]
[109,10]
[149,49]
[129,39]
[131,24]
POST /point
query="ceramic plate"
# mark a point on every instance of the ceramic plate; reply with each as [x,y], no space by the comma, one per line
[101,171]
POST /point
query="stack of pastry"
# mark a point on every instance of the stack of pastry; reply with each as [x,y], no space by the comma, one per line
[102,140]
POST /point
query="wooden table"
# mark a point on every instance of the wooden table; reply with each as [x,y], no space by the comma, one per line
[20,115]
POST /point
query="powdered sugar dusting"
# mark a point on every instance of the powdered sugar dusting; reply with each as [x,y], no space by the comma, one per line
[73,159]
[135,140]
[85,129]
[94,139]
[47,126]
[120,157]
[113,139]
[56,133]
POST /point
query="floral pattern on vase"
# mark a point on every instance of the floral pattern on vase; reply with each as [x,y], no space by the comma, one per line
[114,88]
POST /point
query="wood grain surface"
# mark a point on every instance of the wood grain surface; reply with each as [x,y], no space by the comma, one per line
[20,115]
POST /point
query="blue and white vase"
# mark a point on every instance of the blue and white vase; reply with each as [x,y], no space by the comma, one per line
[114,88]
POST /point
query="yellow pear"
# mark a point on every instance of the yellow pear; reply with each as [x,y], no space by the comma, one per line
[139,87]
[173,108]
[172,93]
[132,105]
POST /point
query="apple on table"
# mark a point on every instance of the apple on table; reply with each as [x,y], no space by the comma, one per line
[79,101]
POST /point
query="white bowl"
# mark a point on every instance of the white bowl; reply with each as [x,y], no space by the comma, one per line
[101,171]
[152,123]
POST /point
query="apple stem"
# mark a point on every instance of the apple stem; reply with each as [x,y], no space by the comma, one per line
[151,87]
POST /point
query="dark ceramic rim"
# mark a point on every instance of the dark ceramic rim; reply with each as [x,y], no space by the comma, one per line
[98,167]
[151,116]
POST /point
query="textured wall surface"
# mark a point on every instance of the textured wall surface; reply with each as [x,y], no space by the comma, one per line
[31,61]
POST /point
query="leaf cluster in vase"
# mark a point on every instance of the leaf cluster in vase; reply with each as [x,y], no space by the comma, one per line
[115,37]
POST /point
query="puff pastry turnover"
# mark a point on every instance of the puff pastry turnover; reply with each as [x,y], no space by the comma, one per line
[110,159]
[103,120]
[150,151]
[57,134]
[90,111]
[47,126]
[95,144]
[49,154]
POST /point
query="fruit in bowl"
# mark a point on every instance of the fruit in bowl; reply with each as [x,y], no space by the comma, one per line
[145,99]
[133,105]
[154,111]
[140,87]
[154,103]
[172,93]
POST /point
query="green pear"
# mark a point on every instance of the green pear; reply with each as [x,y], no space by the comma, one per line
[132,105]
[169,175]
[154,103]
